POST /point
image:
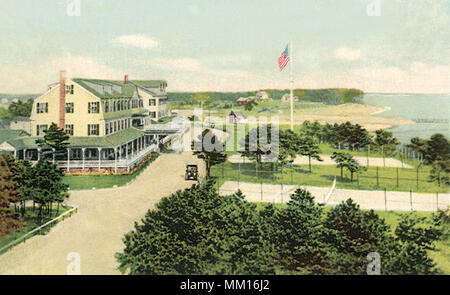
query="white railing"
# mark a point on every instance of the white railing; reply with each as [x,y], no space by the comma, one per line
[121,163]
[38,229]
[327,197]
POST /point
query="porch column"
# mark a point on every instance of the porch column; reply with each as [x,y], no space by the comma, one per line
[15,153]
[25,154]
[116,150]
[99,157]
[82,151]
[68,159]
[132,148]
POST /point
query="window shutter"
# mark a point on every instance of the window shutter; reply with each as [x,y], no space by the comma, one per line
[89,107]
[89,129]
[46,107]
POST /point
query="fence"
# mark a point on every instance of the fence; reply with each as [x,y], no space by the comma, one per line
[39,229]
[380,189]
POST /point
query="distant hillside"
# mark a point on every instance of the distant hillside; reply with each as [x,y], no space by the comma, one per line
[6,98]
[327,96]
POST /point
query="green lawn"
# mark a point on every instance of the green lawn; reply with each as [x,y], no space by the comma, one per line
[441,254]
[32,221]
[323,175]
[104,181]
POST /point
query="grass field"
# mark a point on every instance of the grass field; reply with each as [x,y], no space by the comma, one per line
[323,175]
[31,221]
[441,254]
[103,181]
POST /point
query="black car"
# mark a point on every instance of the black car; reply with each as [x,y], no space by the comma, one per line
[191,172]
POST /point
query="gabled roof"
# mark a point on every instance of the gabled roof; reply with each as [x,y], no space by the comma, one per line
[238,114]
[9,135]
[105,89]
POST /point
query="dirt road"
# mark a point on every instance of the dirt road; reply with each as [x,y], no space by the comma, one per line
[396,201]
[104,216]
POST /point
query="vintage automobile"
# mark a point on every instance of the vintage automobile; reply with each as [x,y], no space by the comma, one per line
[191,172]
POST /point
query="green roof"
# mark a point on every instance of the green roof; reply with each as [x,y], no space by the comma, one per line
[8,134]
[149,83]
[126,90]
[116,139]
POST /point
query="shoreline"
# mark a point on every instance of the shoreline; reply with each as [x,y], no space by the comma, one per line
[381,111]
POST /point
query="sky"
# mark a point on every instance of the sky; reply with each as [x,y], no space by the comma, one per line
[395,46]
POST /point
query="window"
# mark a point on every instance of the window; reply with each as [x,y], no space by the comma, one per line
[69,129]
[69,89]
[141,103]
[93,107]
[42,108]
[122,124]
[69,107]
[152,114]
[92,129]
[106,107]
[107,128]
[152,102]
[40,129]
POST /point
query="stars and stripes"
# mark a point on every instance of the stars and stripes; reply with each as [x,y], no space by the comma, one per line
[284,58]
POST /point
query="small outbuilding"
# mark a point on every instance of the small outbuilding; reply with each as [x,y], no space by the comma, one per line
[236,117]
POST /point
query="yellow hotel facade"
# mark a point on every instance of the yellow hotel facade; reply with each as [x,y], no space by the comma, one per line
[106,121]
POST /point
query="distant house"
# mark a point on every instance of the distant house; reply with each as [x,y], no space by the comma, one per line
[261,94]
[236,117]
[287,98]
[242,100]
[7,136]
[20,123]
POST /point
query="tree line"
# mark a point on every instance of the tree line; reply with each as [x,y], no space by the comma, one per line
[20,182]
[197,231]
[436,153]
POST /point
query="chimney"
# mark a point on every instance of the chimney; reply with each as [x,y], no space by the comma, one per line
[62,99]
[125,79]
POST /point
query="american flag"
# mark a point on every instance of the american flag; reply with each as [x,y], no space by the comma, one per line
[284,58]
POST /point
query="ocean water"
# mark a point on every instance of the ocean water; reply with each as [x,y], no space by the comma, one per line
[432,108]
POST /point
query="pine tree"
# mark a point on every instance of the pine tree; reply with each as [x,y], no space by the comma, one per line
[9,194]
[211,156]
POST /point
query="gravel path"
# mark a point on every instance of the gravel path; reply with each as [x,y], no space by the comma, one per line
[396,201]
[104,216]
[302,160]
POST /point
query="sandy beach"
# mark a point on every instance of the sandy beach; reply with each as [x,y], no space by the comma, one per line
[363,114]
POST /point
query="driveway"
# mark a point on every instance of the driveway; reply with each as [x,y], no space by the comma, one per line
[104,216]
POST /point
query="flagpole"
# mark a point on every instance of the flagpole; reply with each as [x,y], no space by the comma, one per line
[291,82]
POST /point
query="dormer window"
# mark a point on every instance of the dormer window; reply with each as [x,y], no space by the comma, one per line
[69,89]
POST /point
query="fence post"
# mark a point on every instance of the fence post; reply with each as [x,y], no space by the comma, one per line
[397,176]
[437,201]
[378,180]
[261,190]
[417,177]
[385,200]
[410,199]
[239,174]
[281,184]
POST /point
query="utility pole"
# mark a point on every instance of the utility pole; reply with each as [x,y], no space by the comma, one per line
[291,82]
